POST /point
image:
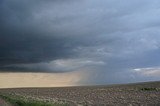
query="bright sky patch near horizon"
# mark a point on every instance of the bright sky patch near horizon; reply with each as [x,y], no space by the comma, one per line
[18,79]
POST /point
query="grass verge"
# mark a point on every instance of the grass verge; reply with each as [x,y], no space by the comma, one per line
[18,101]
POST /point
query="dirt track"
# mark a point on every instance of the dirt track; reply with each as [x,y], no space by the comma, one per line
[115,95]
[4,103]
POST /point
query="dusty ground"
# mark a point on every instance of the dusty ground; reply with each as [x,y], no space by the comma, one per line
[115,95]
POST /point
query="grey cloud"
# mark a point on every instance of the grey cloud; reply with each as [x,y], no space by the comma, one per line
[123,34]
[59,65]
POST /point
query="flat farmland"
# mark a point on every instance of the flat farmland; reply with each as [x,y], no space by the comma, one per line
[137,94]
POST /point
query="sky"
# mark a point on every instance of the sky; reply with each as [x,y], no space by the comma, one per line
[104,41]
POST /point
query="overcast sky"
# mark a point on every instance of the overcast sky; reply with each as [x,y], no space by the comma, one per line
[112,41]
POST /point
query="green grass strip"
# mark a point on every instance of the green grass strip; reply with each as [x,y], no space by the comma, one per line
[17,101]
[149,89]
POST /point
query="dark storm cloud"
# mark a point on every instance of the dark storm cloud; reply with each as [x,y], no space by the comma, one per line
[24,38]
[109,37]
[29,34]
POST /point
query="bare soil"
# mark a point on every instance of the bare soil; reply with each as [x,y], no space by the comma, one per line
[139,94]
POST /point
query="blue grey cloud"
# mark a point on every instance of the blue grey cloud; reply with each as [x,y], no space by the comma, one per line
[108,38]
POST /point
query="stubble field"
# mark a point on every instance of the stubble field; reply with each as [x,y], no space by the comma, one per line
[139,94]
